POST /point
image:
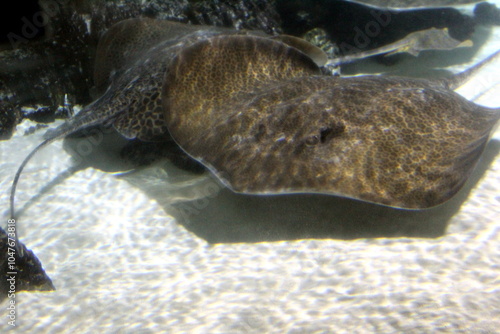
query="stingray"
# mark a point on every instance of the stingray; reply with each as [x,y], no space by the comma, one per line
[413,43]
[264,126]
[409,4]
[258,113]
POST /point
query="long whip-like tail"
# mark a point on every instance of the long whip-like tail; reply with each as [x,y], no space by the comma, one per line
[20,170]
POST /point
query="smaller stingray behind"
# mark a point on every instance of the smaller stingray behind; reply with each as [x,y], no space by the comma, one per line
[132,59]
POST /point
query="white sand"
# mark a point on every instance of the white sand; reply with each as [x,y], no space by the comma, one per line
[122,264]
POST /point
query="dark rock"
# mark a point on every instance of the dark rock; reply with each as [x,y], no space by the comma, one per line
[242,14]
[29,276]
[487,13]
[14,19]
[8,119]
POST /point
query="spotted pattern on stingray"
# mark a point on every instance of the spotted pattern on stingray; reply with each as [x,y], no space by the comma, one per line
[132,102]
[264,126]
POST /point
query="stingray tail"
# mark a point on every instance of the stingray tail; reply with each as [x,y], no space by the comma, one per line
[461,78]
[20,170]
[85,118]
[50,136]
[19,248]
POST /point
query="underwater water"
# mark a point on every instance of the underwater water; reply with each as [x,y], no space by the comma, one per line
[161,250]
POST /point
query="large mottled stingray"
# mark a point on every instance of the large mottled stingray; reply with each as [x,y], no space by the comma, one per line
[408,143]
[258,113]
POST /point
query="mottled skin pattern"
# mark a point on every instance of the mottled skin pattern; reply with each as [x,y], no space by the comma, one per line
[133,71]
[408,143]
[131,61]
[209,77]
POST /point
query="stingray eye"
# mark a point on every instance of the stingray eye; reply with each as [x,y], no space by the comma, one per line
[325,134]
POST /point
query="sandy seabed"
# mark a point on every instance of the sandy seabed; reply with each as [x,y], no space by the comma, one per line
[122,263]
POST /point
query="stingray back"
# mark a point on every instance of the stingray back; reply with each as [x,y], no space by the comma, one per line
[259,118]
